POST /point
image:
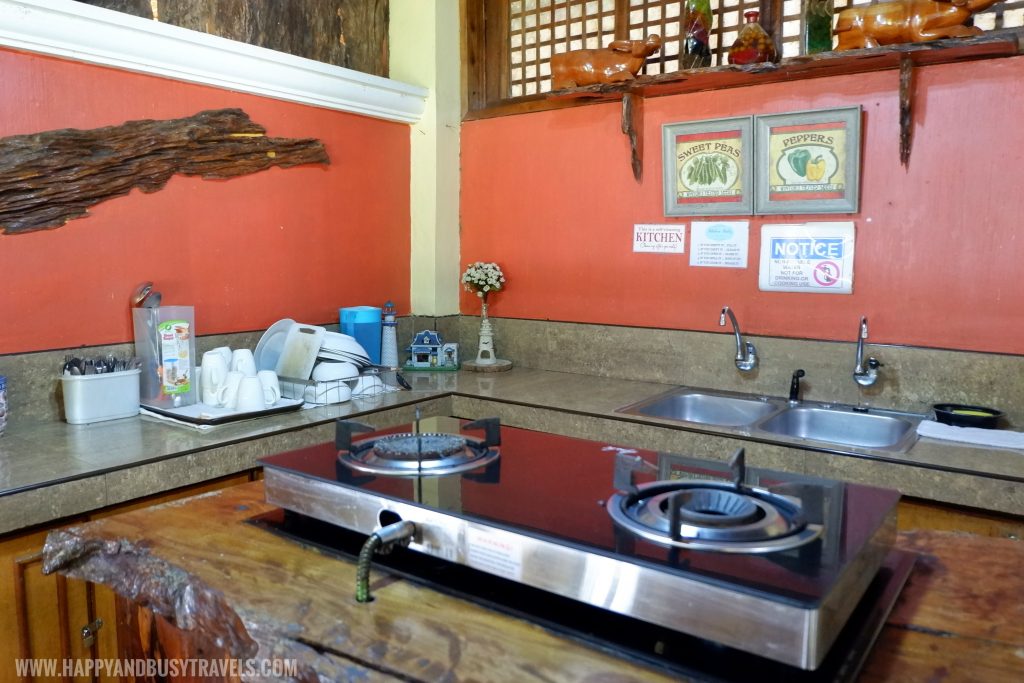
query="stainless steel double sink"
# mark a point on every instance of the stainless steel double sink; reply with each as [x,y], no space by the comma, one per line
[768,417]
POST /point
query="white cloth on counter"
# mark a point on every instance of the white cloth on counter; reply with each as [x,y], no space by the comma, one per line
[166,418]
[998,438]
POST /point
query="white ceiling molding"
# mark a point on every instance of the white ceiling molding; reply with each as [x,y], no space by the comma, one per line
[74,30]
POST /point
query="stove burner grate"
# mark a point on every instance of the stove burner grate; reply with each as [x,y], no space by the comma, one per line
[718,516]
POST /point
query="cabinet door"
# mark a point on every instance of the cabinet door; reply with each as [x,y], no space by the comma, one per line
[42,617]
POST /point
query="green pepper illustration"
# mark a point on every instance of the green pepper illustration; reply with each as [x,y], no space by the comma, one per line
[798,160]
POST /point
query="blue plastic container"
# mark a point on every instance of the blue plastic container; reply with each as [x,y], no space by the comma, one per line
[363,323]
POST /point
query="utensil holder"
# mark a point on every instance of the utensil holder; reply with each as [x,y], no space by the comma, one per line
[96,398]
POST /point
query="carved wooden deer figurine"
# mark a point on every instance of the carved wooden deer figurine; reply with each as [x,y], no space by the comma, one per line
[906,21]
[620,61]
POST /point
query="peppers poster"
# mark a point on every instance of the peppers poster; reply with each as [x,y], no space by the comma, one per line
[806,161]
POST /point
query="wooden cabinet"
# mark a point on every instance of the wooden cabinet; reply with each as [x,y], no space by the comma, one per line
[42,617]
[915,514]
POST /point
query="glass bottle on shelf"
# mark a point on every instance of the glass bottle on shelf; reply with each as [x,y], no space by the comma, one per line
[752,44]
[697,29]
[817,35]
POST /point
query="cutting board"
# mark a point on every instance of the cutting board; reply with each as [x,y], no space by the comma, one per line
[299,352]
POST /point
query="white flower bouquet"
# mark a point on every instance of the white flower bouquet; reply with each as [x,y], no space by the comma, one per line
[483,278]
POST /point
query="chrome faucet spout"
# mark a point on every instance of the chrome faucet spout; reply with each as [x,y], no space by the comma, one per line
[865,377]
[746,354]
[794,387]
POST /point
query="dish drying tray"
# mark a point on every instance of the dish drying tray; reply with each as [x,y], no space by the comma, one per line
[293,387]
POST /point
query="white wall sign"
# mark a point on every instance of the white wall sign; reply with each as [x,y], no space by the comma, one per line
[721,244]
[659,239]
[812,257]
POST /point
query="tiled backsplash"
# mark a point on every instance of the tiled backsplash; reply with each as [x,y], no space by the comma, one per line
[911,378]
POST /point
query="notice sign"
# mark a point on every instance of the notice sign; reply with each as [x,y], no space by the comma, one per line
[813,257]
[659,239]
[720,244]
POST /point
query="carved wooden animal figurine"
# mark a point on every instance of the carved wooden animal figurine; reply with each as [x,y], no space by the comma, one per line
[620,61]
[906,21]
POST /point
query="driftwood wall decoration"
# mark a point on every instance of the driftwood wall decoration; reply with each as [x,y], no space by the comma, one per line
[47,179]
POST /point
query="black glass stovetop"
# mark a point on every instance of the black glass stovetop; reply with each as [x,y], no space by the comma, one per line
[555,487]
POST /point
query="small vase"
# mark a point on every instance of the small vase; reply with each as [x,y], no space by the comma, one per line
[485,354]
[697,31]
[817,26]
[752,44]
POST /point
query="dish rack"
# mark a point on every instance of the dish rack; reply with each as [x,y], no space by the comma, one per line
[327,392]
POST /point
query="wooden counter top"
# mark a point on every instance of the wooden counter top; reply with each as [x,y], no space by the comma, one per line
[960,616]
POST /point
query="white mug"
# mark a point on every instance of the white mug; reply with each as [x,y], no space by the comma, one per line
[225,352]
[242,361]
[271,387]
[214,372]
[250,395]
[227,395]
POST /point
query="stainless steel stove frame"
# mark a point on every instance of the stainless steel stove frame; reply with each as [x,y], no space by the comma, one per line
[779,630]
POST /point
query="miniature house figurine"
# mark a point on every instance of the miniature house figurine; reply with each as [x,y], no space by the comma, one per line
[429,350]
[450,355]
[426,346]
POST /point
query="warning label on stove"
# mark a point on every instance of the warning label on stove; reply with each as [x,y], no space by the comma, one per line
[495,552]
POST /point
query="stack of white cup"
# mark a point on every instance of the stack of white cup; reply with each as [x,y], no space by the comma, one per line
[229,380]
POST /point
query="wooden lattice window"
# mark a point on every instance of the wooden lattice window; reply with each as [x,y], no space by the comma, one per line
[538,29]
[512,41]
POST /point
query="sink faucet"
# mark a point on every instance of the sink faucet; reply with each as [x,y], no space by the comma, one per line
[864,377]
[794,387]
[746,354]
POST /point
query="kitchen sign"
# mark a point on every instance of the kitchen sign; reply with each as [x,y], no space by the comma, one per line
[812,257]
[659,239]
[808,162]
[719,244]
[706,167]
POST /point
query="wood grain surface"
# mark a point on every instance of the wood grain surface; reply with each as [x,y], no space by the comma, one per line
[52,177]
[960,617]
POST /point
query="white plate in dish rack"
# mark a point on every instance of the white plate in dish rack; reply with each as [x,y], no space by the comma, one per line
[271,344]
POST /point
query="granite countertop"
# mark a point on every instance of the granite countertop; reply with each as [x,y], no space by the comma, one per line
[60,470]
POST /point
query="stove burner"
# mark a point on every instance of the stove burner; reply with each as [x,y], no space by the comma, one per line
[705,515]
[710,507]
[414,454]
[418,446]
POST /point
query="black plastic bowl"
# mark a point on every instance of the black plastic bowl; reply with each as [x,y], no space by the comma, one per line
[967,416]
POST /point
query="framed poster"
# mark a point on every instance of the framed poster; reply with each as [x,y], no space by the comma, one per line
[706,168]
[808,162]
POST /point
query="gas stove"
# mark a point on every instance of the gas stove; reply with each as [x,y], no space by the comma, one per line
[742,559]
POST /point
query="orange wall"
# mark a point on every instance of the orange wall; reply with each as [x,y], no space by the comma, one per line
[295,243]
[939,251]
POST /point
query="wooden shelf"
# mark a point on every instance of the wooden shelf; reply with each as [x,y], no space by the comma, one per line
[993,44]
